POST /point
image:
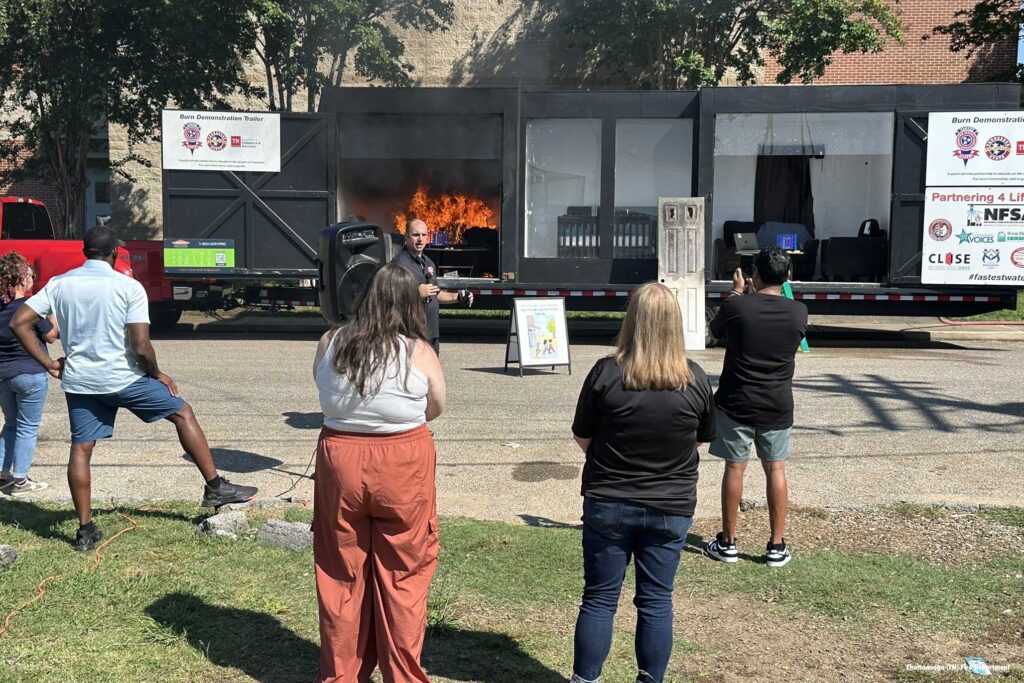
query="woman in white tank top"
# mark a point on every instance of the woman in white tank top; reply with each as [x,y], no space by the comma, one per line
[375,515]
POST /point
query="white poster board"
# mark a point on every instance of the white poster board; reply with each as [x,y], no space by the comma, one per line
[538,334]
[975,148]
[221,141]
[973,236]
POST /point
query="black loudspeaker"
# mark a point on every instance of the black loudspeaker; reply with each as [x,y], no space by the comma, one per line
[349,254]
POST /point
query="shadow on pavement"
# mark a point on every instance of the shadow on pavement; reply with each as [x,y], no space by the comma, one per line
[239,462]
[931,401]
[513,370]
[243,639]
[303,420]
[464,655]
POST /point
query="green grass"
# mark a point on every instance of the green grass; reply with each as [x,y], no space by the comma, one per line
[1007,516]
[1010,314]
[168,605]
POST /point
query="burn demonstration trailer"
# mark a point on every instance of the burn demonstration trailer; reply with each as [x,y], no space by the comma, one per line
[556,193]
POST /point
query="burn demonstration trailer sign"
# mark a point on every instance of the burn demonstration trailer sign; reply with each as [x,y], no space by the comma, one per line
[975,148]
[974,200]
[973,236]
[221,141]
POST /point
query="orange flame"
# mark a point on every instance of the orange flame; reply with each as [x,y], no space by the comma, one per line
[449,213]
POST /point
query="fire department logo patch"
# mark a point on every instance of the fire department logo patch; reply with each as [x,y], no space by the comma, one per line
[997,148]
[940,229]
[966,139]
[193,134]
[216,141]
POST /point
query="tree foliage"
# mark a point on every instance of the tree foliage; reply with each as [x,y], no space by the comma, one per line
[987,23]
[307,44]
[667,44]
[67,65]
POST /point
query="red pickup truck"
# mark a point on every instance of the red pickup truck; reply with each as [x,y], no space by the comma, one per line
[25,227]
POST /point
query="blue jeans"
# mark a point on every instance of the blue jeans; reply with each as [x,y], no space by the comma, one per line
[613,532]
[21,399]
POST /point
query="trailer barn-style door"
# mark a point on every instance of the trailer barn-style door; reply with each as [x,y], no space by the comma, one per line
[275,219]
[910,155]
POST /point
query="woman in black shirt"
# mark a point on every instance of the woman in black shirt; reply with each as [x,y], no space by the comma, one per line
[640,415]
[23,380]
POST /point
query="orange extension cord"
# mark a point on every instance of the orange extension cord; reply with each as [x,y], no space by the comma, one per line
[41,588]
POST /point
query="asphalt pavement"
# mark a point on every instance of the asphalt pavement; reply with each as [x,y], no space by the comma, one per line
[875,424]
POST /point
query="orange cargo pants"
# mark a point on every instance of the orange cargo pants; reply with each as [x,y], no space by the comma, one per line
[375,548]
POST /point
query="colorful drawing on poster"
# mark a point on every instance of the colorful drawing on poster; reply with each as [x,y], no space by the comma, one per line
[542,332]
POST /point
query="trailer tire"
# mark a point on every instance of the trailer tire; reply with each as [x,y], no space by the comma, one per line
[163,318]
[710,311]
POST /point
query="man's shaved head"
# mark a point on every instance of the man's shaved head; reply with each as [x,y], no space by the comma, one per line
[416,236]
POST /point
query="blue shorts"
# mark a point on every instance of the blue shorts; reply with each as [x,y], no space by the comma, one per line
[733,439]
[92,415]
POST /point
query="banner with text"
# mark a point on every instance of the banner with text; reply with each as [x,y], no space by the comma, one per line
[199,256]
[221,141]
[973,236]
[975,148]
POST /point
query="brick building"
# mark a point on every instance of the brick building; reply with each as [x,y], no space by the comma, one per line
[38,188]
[923,58]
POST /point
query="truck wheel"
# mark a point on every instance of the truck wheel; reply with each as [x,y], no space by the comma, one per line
[163,318]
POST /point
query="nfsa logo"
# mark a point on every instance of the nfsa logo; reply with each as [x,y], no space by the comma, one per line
[950,259]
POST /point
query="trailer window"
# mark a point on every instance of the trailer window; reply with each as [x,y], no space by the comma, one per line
[653,158]
[563,188]
[23,221]
[817,175]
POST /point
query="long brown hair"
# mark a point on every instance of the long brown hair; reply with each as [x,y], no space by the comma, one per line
[14,272]
[389,307]
[650,348]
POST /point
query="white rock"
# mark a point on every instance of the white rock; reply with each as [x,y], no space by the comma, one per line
[224,525]
[7,556]
[288,535]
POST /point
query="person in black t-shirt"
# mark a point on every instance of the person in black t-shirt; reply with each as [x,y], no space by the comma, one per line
[422,268]
[640,415]
[762,330]
[23,381]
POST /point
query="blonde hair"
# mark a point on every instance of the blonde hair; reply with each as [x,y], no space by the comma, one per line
[650,348]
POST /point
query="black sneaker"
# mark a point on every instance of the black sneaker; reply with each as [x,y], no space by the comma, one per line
[777,554]
[227,493]
[722,550]
[87,540]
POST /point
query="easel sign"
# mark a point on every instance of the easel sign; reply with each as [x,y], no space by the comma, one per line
[537,334]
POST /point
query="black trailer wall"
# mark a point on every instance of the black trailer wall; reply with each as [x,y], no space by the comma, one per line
[275,219]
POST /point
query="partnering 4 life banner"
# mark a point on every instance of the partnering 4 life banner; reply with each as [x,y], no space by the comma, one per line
[221,141]
[973,236]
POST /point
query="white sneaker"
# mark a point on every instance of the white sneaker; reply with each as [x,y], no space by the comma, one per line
[6,479]
[26,487]
[777,554]
[722,550]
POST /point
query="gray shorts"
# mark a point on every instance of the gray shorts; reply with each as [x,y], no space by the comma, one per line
[733,439]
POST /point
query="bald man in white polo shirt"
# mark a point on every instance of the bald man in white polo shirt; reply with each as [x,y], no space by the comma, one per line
[109,364]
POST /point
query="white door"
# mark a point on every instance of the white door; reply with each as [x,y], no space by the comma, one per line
[681,261]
